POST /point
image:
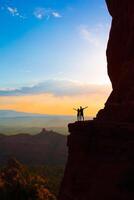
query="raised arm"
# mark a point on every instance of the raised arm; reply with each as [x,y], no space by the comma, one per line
[74,109]
[85,107]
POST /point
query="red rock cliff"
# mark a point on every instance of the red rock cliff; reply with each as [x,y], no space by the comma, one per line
[100,162]
[120,51]
[120,58]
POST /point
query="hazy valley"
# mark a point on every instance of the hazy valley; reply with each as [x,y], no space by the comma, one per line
[12,122]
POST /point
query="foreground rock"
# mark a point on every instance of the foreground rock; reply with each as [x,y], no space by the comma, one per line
[100,162]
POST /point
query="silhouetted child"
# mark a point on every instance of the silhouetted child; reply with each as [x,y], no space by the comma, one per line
[78,113]
[81,113]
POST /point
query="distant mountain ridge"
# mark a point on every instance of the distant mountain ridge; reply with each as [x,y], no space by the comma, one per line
[47,147]
[13,113]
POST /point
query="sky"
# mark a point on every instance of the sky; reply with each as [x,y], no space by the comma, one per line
[52,55]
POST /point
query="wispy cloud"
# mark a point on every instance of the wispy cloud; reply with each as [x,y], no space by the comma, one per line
[41,13]
[89,36]
[57,88]
[94,35]
[13,11]
[56,14]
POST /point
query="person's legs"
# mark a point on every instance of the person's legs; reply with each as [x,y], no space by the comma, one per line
[83,117]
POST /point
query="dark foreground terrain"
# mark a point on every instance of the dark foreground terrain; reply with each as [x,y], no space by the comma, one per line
[19,182]
[39,177]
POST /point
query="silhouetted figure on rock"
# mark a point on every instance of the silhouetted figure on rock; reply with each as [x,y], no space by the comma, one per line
[82,113]
[78,114]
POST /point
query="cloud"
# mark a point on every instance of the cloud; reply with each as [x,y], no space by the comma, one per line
[57,88]
[55,97]
[56,14]
[41,13]
[95,35]
[13,11]
[88,36]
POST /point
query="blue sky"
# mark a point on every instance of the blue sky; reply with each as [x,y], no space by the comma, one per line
[36,45]
[44,42]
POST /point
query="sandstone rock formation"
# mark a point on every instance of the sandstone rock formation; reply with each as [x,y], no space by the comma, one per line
[101,152]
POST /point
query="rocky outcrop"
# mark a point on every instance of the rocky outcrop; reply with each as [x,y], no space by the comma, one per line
[101,152]
[100,162]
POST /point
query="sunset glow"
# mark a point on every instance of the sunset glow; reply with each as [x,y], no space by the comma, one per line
[50,104]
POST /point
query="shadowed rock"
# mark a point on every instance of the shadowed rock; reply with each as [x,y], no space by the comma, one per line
[120,58]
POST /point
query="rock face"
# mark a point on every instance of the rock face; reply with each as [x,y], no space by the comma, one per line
[120,57]
[101,152]
[100,162]
[120,51]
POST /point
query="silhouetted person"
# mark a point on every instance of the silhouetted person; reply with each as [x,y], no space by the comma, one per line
[82,112]
[78,113]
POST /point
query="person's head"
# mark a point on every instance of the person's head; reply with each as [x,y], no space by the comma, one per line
[80,107]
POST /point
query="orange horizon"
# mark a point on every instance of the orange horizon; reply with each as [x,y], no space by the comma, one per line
[54,105]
